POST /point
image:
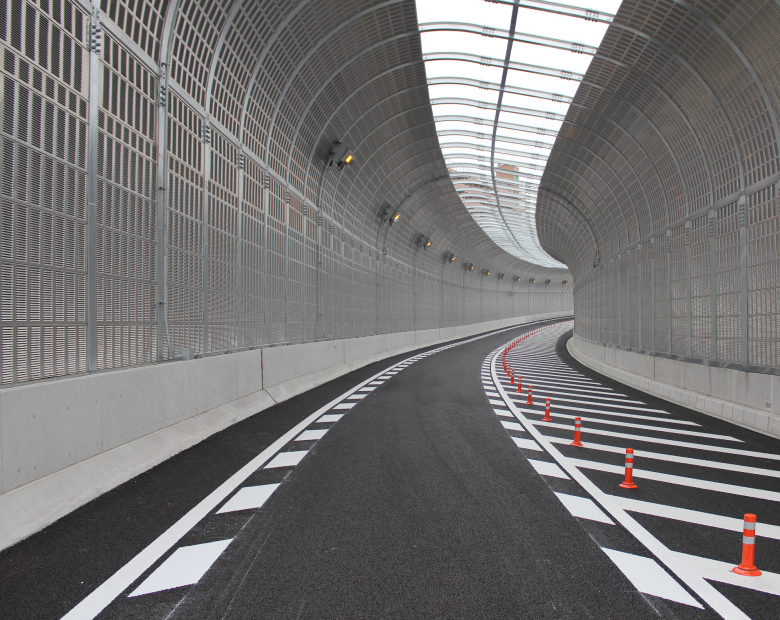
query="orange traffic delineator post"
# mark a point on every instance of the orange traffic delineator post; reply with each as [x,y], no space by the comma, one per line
[577,429]
[628,481]
[547,417]
[748,565]
[530,400]
[512,378]
[520,384]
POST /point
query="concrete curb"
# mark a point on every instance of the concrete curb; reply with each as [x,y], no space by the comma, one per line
[767,423]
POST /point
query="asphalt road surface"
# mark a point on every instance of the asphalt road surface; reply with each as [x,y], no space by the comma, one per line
[425,486]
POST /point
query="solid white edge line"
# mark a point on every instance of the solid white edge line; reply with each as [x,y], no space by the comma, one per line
[719,603]
[102,596]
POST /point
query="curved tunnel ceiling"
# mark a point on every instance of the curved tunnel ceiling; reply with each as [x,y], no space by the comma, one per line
[501,76]
[675,118]
[281,85]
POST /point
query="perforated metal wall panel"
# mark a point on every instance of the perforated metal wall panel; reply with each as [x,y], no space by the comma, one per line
[668,158]
[165,185]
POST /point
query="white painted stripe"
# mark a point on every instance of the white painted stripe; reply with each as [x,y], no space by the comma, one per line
[105,593]
[287,459]
[648,577]
[356,396]
[491,393]
[577,397]
[696,483]
[586,409]
[493,401]
[312,435]
[545,468]
[599,392]
[376,383]
[512,426]
[344,406]
[646,427]
[185,567]
[663,441]
[385,377]
[721,572]
[631,416]
[504,412]
[584,508]
[671,458]
[722,606]
[331,417]
[249,498]
[366,389]
[763,530]
[520,442]
[614,404]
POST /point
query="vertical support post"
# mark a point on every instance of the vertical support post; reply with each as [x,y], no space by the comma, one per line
[652,294]
[206,207]
[639,266]
[92,149]
[287,265]
[688,300]
[266,208]
[240,251]
[713,287]
[743,278]
[162,214]
[305,265]
[668,292]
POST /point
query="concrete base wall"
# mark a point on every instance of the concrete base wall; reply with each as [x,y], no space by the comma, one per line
[748,399]
[64,442]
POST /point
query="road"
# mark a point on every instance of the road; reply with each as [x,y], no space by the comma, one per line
[424,486]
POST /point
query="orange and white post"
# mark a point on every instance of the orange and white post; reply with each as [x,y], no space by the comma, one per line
[628,481]
[748,565]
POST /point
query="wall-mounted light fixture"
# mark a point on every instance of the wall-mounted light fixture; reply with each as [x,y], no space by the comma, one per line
[469,266]
[486,272]
[516,278]
[566,283]
[548,282]
[501,276]
[532,280]
[340,155]
[449,258]
[387,215]
[424,242]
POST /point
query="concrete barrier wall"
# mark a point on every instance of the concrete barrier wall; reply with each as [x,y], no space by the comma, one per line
[748,399]
[64,442]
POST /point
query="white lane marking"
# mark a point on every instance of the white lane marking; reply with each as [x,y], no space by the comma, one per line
[573,396]
[286,459]
[603,393]
[504,412]
[631,416]
[249,498]
[331,417]
[102,596]
[720,604]
[385,377]
[344,406]
[588,410]
[646,427]
[671,458]
[648,577]
[612,405]
[376,383]
[512,426]
[528,444]
[366,389]
[493,394]
[493,401]
[356,397]
[663,441]
[312,435]
[185,567]
[546,468]
[763,530]
[684,481]
[715,570]
[584,508]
